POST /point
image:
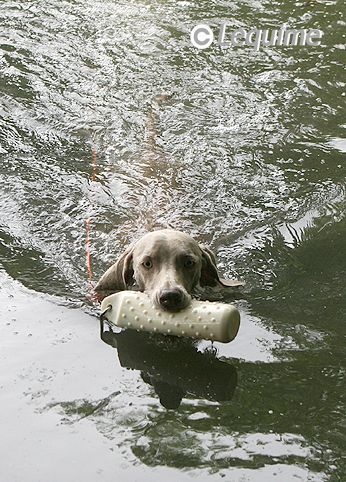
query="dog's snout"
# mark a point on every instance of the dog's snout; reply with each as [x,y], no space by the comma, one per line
[171,299]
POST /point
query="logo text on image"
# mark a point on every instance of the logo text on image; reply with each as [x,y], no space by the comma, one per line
[202,36]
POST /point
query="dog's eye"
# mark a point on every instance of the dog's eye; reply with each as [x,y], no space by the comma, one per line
[189,263]
[147,263]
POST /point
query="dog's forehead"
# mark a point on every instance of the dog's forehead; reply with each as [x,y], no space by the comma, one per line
[166,242]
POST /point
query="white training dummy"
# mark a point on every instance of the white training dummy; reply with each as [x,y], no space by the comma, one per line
[202,319]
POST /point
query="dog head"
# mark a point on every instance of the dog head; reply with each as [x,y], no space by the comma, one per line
[167,265]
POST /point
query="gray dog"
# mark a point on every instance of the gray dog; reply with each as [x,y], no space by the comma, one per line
[167,265]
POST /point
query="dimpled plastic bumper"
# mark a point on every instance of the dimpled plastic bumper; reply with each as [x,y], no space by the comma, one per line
[202,319]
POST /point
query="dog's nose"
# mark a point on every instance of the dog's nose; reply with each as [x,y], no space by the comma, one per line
[171,299]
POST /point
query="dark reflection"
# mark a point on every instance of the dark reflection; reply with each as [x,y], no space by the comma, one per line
[31,267]
[310,270]
[289,413]
[173,366]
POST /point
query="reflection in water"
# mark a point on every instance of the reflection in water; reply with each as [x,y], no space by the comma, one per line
[310,270]
[273,423]
[173,366]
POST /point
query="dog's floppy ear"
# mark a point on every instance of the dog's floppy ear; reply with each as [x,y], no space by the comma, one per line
[119,276]
[209,273]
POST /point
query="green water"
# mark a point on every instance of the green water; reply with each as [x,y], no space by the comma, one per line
[251,161]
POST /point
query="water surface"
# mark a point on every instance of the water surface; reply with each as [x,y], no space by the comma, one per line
[250,159]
